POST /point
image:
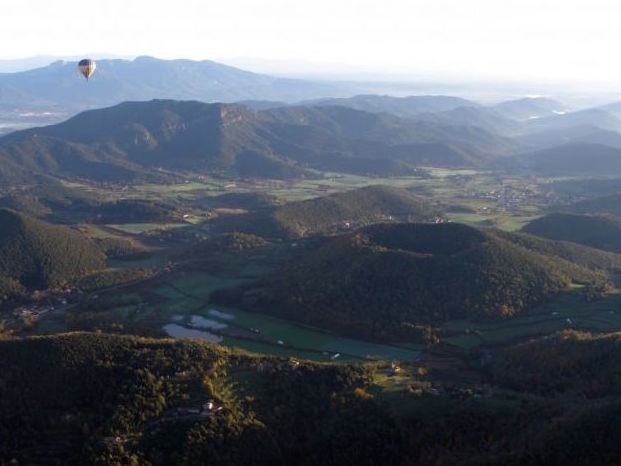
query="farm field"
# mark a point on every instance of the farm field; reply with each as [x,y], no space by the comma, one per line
[179,303]
[192,291]
[507,202]
[568,311]
[139,228]
[501,221]
[250,331]
[296,339]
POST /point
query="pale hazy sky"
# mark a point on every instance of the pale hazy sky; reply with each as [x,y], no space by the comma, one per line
[528,39]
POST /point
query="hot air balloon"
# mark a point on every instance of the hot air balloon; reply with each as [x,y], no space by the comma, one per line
[87,67]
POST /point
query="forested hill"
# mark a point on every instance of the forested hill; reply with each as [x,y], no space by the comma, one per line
[576,366]
[385,280]
[601,231]
[37,254]
[564,363]
[605,204]
[336,212]
[98,399]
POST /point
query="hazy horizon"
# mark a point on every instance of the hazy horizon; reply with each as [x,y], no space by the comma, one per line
[484,89]
[544,41]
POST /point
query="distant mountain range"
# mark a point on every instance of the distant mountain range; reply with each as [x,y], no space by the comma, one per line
[39,61]
[574,159]
[529,108]
[280,128]
[572,134]
[159,138]
[399,106]
[60,86]
[598,117]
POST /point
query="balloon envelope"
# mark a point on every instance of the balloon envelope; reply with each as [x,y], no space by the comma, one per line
[87,67]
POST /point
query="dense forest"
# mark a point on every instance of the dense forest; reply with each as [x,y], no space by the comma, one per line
[99,399]
[576,362]
[247,201]
[605,204]
[130,211]
[228,242]
[39,255]
[58,203]
[602,231]
[9,287]
[48,199]
[577,254]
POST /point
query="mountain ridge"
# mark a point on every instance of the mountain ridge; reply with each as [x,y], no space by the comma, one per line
[572,159]
[135,139]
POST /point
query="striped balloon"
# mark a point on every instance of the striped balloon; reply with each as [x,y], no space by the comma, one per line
[87,67]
